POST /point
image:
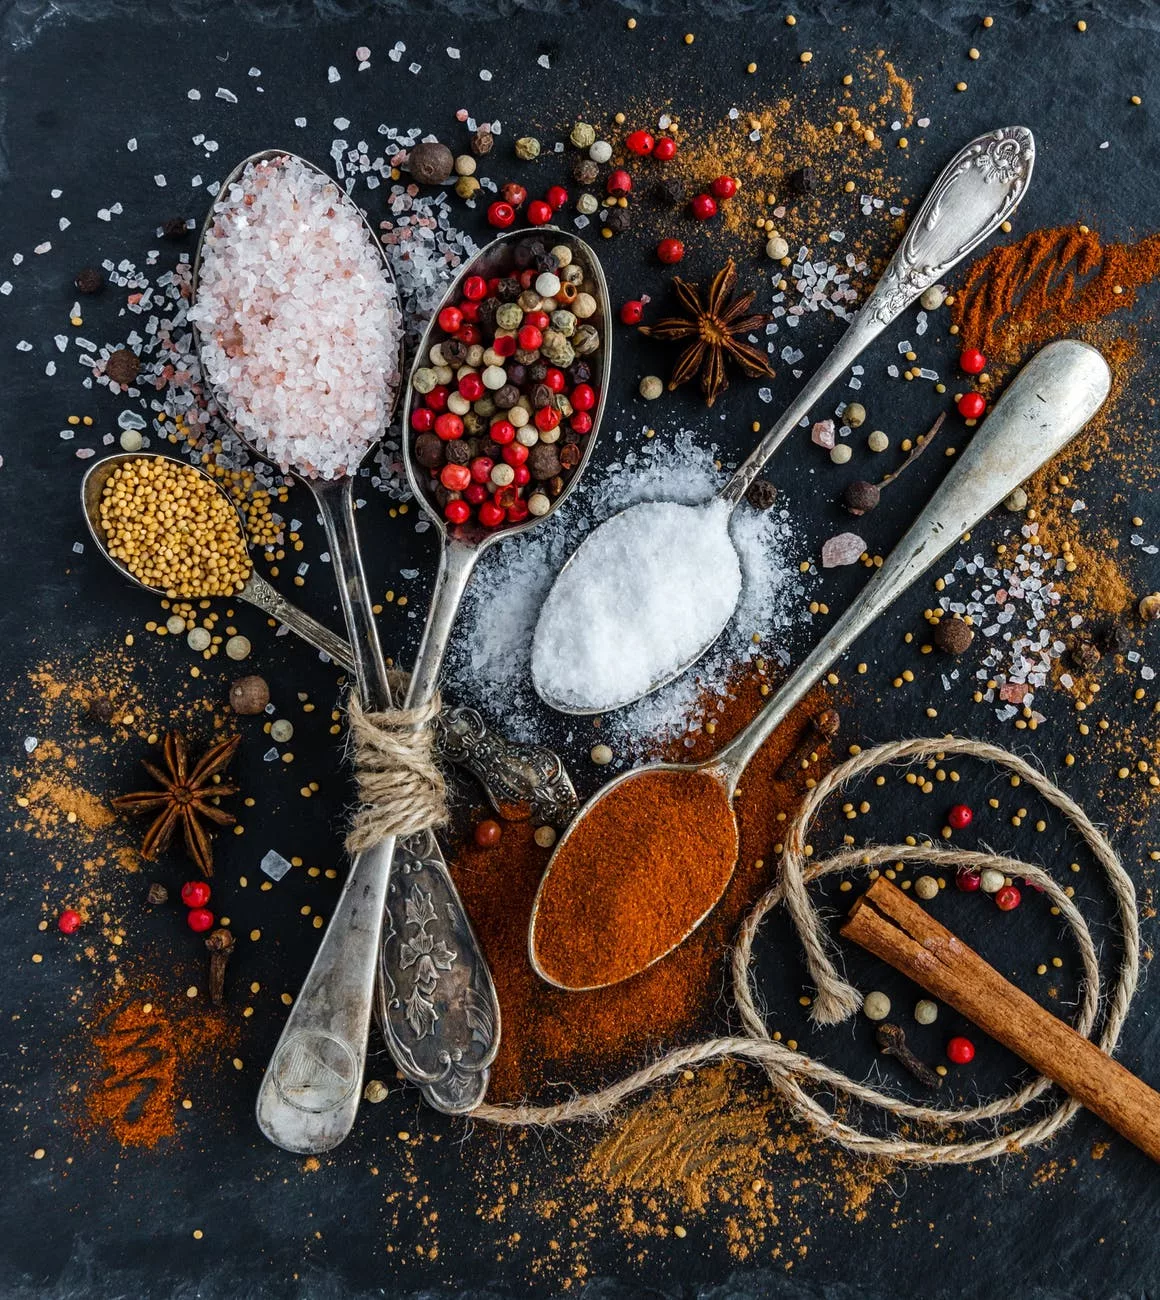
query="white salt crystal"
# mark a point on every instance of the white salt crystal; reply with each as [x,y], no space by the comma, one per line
[274,864]
[643,594]
[159,181]
[193,94]
[227,95]
[30,743]
[332,74]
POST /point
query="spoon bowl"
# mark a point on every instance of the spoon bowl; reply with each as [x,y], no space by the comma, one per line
[974,194]
[1051,399]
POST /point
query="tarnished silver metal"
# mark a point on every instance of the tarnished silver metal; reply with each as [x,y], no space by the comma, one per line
[310,1093]
[1051,399]
[520,781]
[256,590]
[975,193]
[514,777]
[466,1062]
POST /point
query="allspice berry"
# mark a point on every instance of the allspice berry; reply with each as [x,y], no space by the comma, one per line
[100,708]
[953,636]
[89,280]
[123,366]
[482,142]
[585,171]
[1149,607]
[761,494]
[249,695]
[430,163]
[861,496]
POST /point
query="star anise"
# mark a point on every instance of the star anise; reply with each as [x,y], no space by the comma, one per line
[185,797]
[714,328]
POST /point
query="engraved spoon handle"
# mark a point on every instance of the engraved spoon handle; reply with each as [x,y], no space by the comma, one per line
[259,593]
[977,191]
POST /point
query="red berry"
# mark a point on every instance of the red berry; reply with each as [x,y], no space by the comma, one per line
[436,399]
[501,215]
[475,288]
[1008,898]
[583,397]
[704,206]
[471,387]
[631,312]
[457,512]
[449,426]
[422,419]
[195,893]
[581,422]
[199,919]
[967,881]
[971,405]
[504,344]
[518,511]
[530,338]
[487,833]
[670,251]
[555,379]
[523,475]
[468,333]
[666,149]
[640,142]
[503,432]
[514,194]
[556,196]
[505,497]
[455,478]
[961,1051]
[724,187]
[547,417]
[470,311]
[539,212]
[960,817]
[619,183]
[475,494]
[539,319]
[68,922]
[972,361]
[515,453]
[480,468]
[450,319]
[490,515]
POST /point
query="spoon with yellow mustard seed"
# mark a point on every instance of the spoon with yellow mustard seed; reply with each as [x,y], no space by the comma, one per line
[120,496]
[574,939]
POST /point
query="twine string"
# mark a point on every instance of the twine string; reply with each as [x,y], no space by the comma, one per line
[798,1078]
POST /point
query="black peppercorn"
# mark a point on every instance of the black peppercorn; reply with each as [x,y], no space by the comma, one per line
[473,422]
[482,142]
[454,351]
[861,497]
[442,495]
[430,163]
[174,228]
[517,372]
[487,311]
[579,372]
[803,181]
[761,494]
[457,452]
[541,396]
[953,636]
[89,280]
[1113,638]
[543,462]
[428,450]
[554,486]
[508,289]
[1084,655]
[122,367]
[618,220]
[526,252]
[157,895]
[569,455]
[101,708]
[538,372]
[669,191]
[585,171]
[548,262]
[506,397]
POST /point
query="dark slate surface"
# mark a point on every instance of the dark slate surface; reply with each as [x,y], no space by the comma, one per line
[76,81]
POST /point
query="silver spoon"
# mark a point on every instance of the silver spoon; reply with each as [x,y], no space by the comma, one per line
[520,781]
[310,1093]
[1055,394]
[977,191]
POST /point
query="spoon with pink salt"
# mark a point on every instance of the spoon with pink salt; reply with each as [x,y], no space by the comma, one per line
[300,336]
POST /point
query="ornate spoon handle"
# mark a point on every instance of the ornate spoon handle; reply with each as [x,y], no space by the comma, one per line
[976,192]
[259,593]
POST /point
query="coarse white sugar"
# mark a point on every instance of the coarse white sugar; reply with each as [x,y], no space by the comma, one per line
[299,325]
[642,595]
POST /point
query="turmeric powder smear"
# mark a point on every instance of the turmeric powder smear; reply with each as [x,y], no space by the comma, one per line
[634,877]
[1022,295]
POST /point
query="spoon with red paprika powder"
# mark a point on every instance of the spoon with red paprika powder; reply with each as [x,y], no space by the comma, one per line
[646,859]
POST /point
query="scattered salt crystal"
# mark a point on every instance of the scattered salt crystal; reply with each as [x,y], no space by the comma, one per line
[416,68]
[822,435]
[332,74]
[254,72]
[362,53]
[452,52]
[643,594]
[64,223]
[765,394]
[227,95]
[193,94]
[484,74]
[46,247]
[845,548]
[30,743]
[274,864]
[299,121]
[159,181]
[544,61]
[341,123]
[6,288]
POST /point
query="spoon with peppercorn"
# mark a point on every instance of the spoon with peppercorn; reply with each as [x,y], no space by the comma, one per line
[300,337]
[574,941]
[649,591]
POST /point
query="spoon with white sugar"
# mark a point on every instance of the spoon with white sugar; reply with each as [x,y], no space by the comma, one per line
[1049,401]
[647,593]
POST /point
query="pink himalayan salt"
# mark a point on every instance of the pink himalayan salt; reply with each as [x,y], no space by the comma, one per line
[845,548]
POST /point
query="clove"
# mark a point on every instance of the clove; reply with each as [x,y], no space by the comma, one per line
[892,1041]
[819,731]
[219,944]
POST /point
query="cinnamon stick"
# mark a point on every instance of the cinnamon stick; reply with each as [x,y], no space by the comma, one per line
[893,927]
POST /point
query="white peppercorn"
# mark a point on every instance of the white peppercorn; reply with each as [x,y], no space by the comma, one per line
[926,1011]
[538,505]
[502,474]
[878,441]
[547,284]
[563,255]
[651,387]
[198,638]
[238,647]
[587,204]
[494,377]
[601,755]
[854,415]
[991,880]
[934,297]
[600,151]
[926,888]
[175,624]
[840,453]
[876,1006]
[545,836]
[281,729]
[131,440]
[465,165]
[777,248]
